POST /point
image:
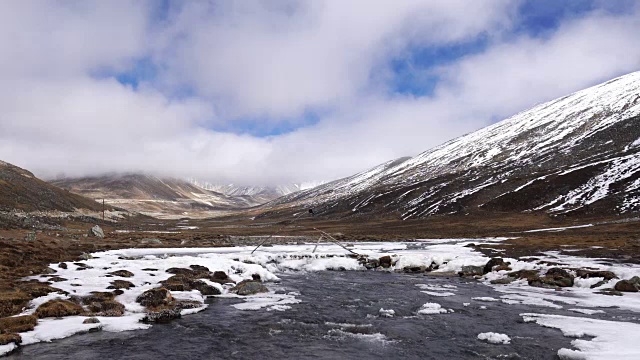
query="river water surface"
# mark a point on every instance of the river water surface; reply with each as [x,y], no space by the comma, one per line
[338,318]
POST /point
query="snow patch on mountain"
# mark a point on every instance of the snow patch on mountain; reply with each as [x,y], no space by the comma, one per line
[583,148]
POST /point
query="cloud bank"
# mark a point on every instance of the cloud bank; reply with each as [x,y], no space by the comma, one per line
[287,91]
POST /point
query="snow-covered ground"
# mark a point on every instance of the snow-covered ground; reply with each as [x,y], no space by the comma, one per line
[449,255]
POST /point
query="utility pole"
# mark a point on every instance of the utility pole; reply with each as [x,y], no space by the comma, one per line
[103,212]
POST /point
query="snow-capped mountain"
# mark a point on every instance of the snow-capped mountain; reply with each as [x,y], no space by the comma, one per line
[261,194]
[576,154]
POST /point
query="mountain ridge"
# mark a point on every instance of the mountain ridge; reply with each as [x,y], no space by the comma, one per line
[22,190]
[596,129]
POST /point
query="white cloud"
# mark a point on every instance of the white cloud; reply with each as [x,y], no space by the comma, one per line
[55,39]
[256,58]
[514,75]
[275,60]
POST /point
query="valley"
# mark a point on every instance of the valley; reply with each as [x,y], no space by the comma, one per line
[552,190]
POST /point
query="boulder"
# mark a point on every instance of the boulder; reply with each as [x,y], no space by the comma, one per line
[220,277]
[249,287]
[62,265]
[16,324]
[555,277]
[185,283]
[162,316]
[470,270]
[385,261]
[91,320]
[503,281]
[586,274]
[371,263]
[96,231]
[85,256]
[626,286]
[635,280]
[58,308]
[156,298]
[503,267]
[416,269]
[204,288]
[199,268]
[524,274]
[493,262]
[598,284]
[82,266]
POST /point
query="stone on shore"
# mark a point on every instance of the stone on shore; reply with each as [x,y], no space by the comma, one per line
[96,231]
[626,286]
[249,287]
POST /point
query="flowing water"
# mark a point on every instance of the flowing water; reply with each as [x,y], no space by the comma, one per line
[338,318]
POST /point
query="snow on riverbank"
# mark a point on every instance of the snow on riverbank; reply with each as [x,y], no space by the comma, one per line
[149,268]
[612,339]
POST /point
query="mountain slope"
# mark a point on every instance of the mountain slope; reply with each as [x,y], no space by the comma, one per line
[21,190]
[579,154]
[153,195]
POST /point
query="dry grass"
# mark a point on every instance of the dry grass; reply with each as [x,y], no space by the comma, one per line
[58,308]
[17,324]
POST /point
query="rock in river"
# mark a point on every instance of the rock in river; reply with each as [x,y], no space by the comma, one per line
[249,288]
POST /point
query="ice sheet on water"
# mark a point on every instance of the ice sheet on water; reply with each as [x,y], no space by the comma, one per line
[494,338]
[485,299]
[438,293]
[269,301]
[587,311]
[612,339]
[5,349]
[433,308]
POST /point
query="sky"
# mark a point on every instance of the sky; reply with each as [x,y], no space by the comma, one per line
[274,92]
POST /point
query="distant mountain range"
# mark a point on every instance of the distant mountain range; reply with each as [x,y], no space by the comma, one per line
[579,154]
[261,194]
[154,195]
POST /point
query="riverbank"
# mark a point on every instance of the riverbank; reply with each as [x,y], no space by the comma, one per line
[188,275]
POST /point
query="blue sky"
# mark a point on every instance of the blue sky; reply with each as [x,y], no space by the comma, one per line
[290,90]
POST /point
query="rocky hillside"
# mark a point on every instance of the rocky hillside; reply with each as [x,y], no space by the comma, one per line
[579,154]
[21,190]
[153,195]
